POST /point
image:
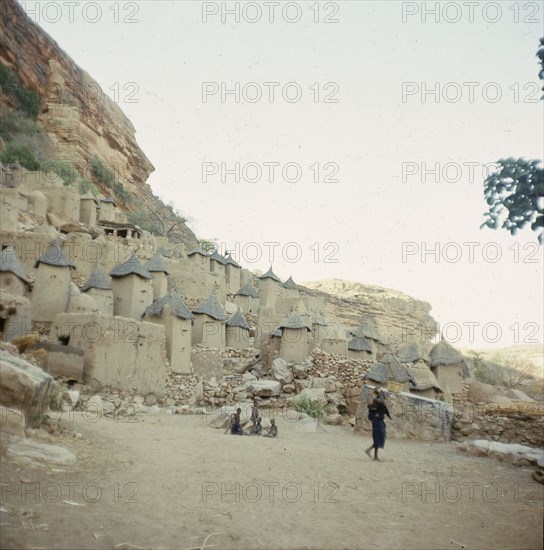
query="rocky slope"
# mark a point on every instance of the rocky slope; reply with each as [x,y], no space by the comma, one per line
[396,314]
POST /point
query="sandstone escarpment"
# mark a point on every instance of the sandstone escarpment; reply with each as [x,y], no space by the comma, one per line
[398,316]
[76,113]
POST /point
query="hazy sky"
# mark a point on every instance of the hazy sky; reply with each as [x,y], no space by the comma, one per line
[352,127]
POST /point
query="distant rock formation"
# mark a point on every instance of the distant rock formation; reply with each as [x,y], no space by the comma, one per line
[398,317]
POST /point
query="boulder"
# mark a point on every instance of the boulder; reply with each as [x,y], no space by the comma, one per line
[25,387]
[281,372]
[265,388]
[288,388]
[12,421]
[32,453]
[300,371]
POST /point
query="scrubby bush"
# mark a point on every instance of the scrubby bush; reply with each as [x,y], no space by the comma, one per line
[315,409]
[21,154]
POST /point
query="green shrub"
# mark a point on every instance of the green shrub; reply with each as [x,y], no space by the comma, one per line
[13,123]
[20,153]
[313,408]
[102,172]
[65,170]
[86,186]
[28,101]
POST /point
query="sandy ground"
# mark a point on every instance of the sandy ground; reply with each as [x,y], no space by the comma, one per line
[173,482]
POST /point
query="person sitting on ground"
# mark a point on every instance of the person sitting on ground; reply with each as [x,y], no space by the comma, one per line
[272,429]
[257,429]
[235,427]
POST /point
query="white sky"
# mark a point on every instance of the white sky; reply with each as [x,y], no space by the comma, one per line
[166,54]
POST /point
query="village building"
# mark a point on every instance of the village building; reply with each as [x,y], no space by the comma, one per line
[237,331]
[294,339]
[334,341]
[319,325]
[198,259]
[209,324]
[447,366]
[98,286]
[87,210]
[217,263]
[107,210]
[359,348]
[413,352]
[80,302]
[13,279]
[170,312]
[290,289]
[158,268]
[51,292]
[232,271]
[132,289]
[389,373]
[269,287]
[422,380]
[247,299]
[367,329]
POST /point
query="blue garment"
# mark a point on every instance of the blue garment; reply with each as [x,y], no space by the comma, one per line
[378,432]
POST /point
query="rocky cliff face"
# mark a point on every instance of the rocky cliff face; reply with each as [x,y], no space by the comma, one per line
[398,316]
[79,118]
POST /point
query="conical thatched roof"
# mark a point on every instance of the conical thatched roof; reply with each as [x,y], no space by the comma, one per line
[108,199]
[97,280]
[10,264]
[156,265]
[270,275]
[294,321]
[359,344]
[216,257]
[290,284]
[229,260]
[413,351]
[173,301]
[197,250]
[211,308]
[368,329]
[131,267]
[422,377]
[318,319]
[444,354]
[247,290]
[88,196]
[55,256]
[237,320]
[388,369]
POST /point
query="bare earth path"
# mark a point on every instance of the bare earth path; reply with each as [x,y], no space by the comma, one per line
[173,482]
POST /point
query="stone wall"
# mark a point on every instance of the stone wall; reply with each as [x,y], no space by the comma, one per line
[121,353]
[413,417]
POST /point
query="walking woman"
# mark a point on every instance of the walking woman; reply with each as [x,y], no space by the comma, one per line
[377,411]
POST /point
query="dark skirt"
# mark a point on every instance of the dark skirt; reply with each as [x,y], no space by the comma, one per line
[378,433]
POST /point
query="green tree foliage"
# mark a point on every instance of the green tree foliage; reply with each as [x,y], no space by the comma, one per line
[21,154]
[27,100]
[515,191]
[515,195]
